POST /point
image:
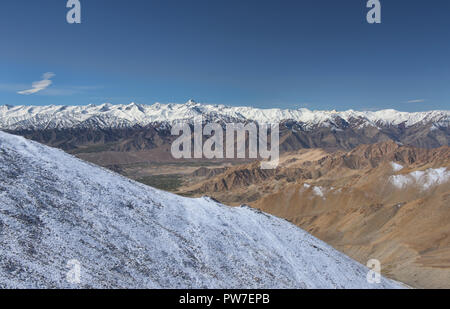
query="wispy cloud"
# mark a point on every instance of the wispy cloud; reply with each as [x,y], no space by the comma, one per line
[67,90]
[39,85]
[416,101]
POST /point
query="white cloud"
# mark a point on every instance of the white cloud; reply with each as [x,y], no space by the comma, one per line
[39,85]
[416,101]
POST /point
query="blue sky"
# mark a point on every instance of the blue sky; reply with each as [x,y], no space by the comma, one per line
[319,54]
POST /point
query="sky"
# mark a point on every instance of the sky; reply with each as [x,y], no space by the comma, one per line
[318,54]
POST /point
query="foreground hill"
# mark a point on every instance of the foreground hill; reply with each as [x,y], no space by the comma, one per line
[55,208]
[383,201]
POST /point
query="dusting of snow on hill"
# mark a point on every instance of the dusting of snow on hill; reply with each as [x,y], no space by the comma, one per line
[396,167]
[119,116]
[55,208]
[319,192]
[424,179]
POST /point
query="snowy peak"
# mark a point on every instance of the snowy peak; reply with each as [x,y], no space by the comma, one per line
[56,208]
[118,116]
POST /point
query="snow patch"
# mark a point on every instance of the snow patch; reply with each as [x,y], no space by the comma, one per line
[316,190]
[425,179]
[396,167]
[319,192]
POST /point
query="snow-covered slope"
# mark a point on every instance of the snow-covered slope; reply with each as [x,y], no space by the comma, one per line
[423,179]
[118,116]
[55,208]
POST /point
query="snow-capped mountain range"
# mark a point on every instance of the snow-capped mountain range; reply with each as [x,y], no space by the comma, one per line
[55,208]
[120,116]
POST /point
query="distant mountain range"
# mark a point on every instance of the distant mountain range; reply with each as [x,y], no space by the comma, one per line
[133,127]
[107,116]
[55,208]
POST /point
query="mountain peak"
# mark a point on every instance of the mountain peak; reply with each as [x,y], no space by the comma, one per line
[191,102]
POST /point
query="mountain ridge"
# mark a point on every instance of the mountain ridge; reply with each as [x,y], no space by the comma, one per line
[131,115]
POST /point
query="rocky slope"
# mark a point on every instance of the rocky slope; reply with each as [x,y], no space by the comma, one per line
[383,201]
[55,208]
